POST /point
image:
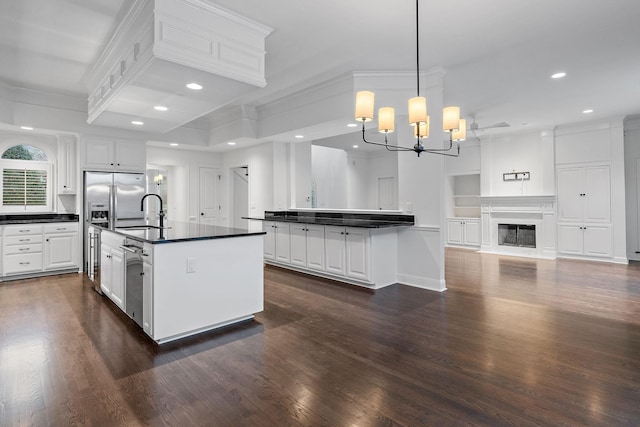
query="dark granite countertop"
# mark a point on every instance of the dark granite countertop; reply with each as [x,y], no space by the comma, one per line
[37,218]
[343,219]
[177,231]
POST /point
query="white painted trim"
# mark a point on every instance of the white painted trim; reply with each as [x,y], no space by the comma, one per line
[422,283]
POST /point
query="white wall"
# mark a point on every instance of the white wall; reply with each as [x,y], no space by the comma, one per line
[184,165]
[529,152]
[358,180]
[260,160]
[329,171]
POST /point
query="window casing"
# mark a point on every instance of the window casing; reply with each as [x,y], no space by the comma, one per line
[26,186]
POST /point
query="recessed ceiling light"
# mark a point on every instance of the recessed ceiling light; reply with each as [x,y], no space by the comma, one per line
[355,146]
[589,111]
[160,108]
[558,75]
[194,86]
[299,136]
[137,123]
[231,143]
[174,144]
[352,125]
[26,128]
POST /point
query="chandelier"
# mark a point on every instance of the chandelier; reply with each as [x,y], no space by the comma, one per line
[418,118]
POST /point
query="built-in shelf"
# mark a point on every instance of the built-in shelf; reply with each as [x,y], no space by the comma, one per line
[465,196]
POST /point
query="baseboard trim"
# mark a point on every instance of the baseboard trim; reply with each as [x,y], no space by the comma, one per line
[422,282]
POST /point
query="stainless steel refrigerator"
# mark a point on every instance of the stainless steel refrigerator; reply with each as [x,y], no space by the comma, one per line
[110,200]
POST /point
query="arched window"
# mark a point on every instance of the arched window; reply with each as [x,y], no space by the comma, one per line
[26,176]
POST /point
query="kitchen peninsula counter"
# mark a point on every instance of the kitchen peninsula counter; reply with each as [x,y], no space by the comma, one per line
[177,231]
[195,277]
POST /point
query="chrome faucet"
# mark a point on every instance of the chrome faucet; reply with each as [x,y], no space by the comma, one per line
[160,214]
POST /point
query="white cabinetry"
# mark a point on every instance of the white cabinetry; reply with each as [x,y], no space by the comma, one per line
[60,246]
[362,256]
[276,242]
[147,289]
[112,267]
[584,211]
[67,169]
[114,155]
[22,249]
[307,245]
[463,232]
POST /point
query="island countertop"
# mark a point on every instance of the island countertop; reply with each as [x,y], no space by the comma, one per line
[177,231]
[344,219]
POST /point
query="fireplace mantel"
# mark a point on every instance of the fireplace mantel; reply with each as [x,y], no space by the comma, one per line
[536,210]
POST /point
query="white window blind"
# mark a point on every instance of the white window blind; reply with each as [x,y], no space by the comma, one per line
[24,187]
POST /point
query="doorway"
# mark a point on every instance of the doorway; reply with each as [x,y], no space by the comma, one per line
[240,197]
[208,203]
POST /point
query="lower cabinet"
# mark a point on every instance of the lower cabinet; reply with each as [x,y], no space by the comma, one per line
[347,251]
[463,232]
[352,254]
[307,245]
[60,246]
[277,245]
[112,268]
[37,248]
[585,240]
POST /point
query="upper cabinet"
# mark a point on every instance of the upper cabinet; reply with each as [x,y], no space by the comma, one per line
[584,194]
[67,165]
[114,155]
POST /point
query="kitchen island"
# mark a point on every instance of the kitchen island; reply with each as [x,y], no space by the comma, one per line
[194,277]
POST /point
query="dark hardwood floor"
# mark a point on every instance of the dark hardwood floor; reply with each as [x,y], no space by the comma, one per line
[513,341]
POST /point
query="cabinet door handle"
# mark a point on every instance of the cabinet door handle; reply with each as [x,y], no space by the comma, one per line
[111,164]
[47,240]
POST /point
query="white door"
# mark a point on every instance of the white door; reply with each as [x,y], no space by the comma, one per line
[315,246]
[240,195]
[570,199]
[472,233]
[358,253]
[283,244]
[570,239]
[597,240]
[208,201]
[597,190]
[387,193]
[298,244]
[335,250]
[269,247]
[455,232]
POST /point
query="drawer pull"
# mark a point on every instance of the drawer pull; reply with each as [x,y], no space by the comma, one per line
[23,249]
[61,229]
[25,263]
[24,231]
[24,240]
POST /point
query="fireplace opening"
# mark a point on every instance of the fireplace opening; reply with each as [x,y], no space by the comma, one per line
[517,235]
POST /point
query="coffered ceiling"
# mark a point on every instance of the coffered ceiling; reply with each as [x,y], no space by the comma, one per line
[498,54]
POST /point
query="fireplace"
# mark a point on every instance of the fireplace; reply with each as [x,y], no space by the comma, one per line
[519,225]
[520,235]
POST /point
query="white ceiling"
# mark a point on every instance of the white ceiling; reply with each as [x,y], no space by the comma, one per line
[498,54]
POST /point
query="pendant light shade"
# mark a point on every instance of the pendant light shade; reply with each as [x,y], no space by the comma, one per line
[417,110]
[422,130]
[461,133]
[364,105]
[450,119]
[386,120]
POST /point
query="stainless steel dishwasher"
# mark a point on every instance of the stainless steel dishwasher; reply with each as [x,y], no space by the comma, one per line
[133,279]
